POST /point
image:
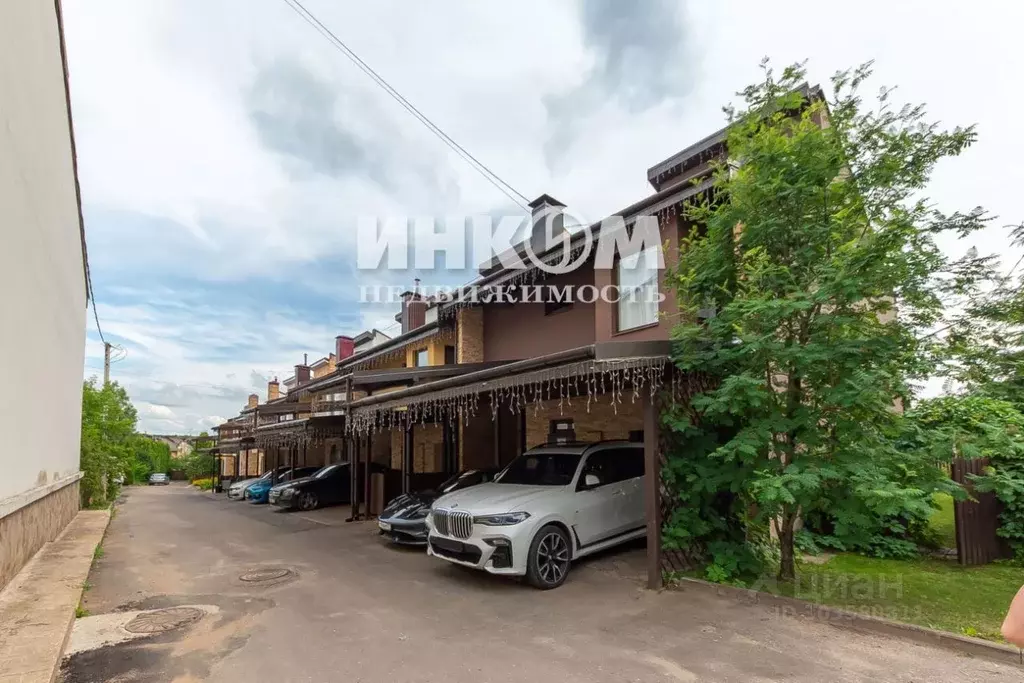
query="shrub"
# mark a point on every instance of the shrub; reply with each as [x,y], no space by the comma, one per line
[204,484]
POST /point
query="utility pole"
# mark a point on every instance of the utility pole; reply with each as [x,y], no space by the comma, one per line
[106,363]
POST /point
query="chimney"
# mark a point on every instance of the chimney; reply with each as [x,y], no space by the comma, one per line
[547,223]
[301,374]
[254,400]
[273,390]
[414,309]
[344,347]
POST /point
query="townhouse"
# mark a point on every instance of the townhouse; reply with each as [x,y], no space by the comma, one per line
[532,372]
[473,381]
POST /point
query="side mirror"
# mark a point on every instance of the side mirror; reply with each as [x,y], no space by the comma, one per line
[591,481]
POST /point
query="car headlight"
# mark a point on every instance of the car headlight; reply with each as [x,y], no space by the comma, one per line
[505,519]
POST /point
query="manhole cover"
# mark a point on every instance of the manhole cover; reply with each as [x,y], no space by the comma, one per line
[266,575]
[164,620]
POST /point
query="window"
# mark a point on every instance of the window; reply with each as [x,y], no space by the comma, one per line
[613,465]
[638,289]
[541,469]
[421,359]
[449,355]
[328,471]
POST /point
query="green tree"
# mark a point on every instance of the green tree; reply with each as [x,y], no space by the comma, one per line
[813,236]
[987,341]
[199,462]
[108,440]
[975,426]
[150,456]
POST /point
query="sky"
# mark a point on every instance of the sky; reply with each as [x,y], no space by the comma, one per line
[227,150]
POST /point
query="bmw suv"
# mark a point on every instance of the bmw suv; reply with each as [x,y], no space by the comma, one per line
[551,505]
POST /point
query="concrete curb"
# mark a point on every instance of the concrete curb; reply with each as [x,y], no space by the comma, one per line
[833,616]
[37,607]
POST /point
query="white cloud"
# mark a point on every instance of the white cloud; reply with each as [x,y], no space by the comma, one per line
[183,192]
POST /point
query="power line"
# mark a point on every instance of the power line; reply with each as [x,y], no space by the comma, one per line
[489,175]
[92,297]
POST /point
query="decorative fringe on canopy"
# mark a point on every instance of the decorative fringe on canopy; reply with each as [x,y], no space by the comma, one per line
[586,382]
[301,433]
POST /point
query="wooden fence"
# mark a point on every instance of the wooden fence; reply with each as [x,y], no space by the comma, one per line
[977,521]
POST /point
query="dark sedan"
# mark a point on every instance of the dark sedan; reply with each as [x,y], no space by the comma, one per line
[331,485]
[404,519]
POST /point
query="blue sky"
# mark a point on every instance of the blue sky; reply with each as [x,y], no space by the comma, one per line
[226,150]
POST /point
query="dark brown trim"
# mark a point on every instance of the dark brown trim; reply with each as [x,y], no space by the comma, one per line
[74,148]
[352,446]
[618,333]
[652,493]
[283,408]
[601,351]
[391,376]
[408,445]
[366,477]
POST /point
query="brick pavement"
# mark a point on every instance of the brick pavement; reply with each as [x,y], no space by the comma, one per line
[37,608]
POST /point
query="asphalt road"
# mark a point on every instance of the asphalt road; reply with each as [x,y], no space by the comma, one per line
[357,610]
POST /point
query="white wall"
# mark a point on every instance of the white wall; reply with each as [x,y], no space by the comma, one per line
[42,280]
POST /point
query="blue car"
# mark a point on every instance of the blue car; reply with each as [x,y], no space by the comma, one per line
[260,491]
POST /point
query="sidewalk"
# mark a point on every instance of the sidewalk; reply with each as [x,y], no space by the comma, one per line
[37,608]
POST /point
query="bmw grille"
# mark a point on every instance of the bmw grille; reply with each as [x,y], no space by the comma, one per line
[455,523]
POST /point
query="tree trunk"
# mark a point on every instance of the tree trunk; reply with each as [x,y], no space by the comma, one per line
[787,565]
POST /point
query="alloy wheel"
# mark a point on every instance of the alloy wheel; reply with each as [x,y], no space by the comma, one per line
[552,558]
[307,501]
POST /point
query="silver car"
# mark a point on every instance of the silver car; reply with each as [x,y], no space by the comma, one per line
[157,479]
[237,490]
[552,505]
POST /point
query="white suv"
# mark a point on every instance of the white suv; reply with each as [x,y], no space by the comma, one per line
[551,505]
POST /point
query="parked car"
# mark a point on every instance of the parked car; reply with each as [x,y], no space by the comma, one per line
[157,479]
[404,518]
[237,489]
[550,506]
[259,492]
[331,485]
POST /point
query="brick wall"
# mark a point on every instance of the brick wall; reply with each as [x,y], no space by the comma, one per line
[427,448]
[602,422]
[24,531]
[469,322]
[476,441]
[340,452]
[397,443]
[250,463]
[381,449]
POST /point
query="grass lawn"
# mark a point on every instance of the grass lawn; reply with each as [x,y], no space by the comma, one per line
[934,593]
[941,520]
